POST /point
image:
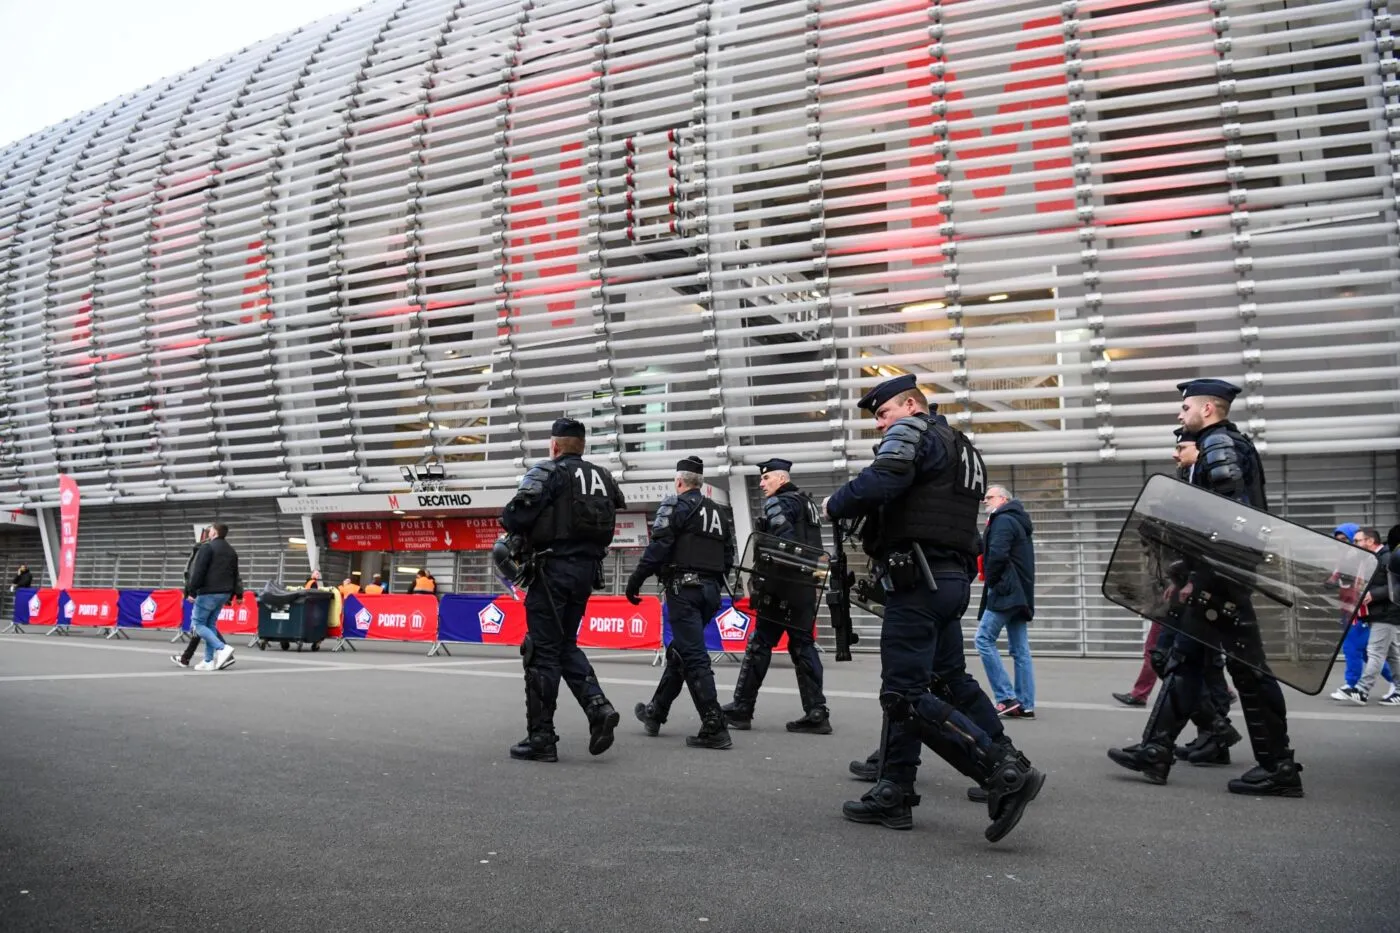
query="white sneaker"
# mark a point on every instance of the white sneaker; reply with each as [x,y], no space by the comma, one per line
[205,666]
[1391,699]
[1341,693]
[223,657]
[178,661]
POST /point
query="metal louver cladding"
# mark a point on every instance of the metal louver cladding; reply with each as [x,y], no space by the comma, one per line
[145,546]
[426,228]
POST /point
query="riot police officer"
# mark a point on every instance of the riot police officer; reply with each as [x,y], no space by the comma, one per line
[788,513]
[691,552]
[1227,464]
[565,512]
[921,497]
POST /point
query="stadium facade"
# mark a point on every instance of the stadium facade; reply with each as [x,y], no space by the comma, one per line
[416,233]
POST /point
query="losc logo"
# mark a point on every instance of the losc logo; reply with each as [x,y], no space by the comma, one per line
[362,619]
[67,498]
[68,609]
[35,605]
[491,618]
[733,624]
[148,609]
[335,537]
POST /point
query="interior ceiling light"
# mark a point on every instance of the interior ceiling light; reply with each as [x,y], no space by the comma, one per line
[1001,297]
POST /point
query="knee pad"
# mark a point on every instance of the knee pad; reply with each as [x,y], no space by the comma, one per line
[1158,661]
[527,652]
[896,706]
[673,656]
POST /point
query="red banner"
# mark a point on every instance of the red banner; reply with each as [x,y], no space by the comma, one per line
[395,618]
[43,607]
[240,618]
[68,502]
[161,609]
[613,622]
[359,536]
[89,607]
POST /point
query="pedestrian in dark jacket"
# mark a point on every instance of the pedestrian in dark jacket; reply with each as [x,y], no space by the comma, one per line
[23,578]
[212,583]
[1384,616]
[1008,602]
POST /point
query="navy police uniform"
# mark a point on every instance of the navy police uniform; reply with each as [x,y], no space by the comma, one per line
[921,497]
[691,552]
[1227,464]
[565,508]
[792,515]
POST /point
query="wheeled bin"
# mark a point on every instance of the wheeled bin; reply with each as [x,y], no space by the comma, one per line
[287,616]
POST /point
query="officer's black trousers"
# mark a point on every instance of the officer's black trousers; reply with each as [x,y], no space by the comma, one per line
[688,610]
[551,648]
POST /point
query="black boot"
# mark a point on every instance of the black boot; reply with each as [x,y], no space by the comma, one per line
[887,803]
[602,720]
[1281,780]
[1215,750]
[538,746]
[867,770]
[1013,784]
[977,794]
[649,717]
[816,722]
[1184,752]
[712,733]
[738,716]
[1154,762]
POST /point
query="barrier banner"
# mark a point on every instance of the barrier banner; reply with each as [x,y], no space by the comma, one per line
[88,607]
[36,606]
[731,628]
[614,623]
[154,609]
[393,618]
[240,618]
[483,620]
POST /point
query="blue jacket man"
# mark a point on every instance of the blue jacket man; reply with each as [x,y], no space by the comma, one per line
[1008,602]
[920,498]
[789,514]
[691,551]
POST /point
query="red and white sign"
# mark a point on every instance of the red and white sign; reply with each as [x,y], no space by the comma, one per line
[631,530]
[43,607]
[68,502]
[359,536]
[241,617]
[395,618]
[734,628]
[90,607]
[613,622]
[431,534]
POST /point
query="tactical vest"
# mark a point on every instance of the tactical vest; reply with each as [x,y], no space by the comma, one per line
[1250,465]
[808,527]
[700,540]
[583,509]
[940,510]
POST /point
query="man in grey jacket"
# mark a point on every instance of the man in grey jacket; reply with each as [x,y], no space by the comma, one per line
[1008,601]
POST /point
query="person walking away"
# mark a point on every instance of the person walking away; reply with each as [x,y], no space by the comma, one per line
[213,580]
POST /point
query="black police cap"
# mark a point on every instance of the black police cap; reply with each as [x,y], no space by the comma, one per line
[568,427]
[691,465]
[887,390]
[1216,388]
[774,463]
[1184,436]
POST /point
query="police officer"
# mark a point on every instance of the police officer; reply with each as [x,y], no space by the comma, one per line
[1227,464]
[921,497]
[788,513]
[691,552]
[565,509]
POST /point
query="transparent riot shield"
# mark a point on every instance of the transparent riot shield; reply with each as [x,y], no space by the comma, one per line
[786,579]
[1266,592]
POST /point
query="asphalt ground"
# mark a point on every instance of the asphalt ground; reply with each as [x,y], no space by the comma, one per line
[373,791]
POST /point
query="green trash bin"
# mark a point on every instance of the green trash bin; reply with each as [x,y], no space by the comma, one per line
[300,616]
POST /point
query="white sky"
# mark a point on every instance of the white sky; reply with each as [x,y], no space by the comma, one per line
[61,57]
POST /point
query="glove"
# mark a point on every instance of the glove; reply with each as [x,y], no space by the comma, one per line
[634,589]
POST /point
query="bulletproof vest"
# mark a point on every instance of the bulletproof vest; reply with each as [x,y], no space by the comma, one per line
[583,508]
[940,509]
[807,523]
[701,538]
[1250,465]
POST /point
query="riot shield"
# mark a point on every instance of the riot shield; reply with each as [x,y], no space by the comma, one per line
[1266,592]
[786,578]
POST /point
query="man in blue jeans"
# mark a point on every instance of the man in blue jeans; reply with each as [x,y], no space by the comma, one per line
[1008,601]
[212,582]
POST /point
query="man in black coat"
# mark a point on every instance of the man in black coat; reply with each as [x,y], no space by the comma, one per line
[212,583]
[1008,601]
[23,579]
